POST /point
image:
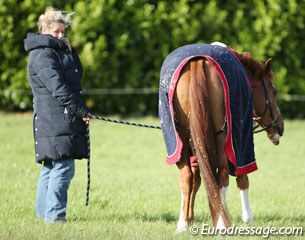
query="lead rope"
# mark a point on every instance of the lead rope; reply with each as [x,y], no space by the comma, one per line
[88,143]
[223,129]
[88,163]
[122,122]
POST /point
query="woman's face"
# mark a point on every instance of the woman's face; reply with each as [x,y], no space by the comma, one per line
[57,30]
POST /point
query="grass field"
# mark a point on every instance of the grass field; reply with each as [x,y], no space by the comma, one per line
[134,194]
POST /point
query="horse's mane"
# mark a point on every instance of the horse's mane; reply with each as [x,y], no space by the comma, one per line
[254,68]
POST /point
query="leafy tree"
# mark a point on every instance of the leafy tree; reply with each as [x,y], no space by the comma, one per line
[123,43]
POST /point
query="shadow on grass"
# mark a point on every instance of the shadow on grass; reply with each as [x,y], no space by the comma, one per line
[298,219]
[143,216]
[146,217]
[167,217]
[100,212]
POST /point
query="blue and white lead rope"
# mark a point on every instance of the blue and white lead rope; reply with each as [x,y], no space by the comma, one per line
[122,122]
[88,143]
[88,163]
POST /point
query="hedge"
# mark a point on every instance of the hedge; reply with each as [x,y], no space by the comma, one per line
[122,44]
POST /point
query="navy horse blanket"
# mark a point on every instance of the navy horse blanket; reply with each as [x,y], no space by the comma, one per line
[239,144]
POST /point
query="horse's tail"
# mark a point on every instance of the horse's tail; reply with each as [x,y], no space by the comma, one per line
[203,138]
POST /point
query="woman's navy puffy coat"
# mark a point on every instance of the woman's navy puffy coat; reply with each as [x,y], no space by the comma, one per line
[55,77]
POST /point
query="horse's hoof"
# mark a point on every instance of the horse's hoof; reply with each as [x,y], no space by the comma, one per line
[248,220]
[220,224]
[181,229]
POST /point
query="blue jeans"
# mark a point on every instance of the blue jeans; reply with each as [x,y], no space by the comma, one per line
[52,190]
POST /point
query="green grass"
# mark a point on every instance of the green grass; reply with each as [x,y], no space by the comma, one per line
[134,194]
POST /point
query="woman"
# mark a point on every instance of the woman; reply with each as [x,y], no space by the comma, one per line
[60,113]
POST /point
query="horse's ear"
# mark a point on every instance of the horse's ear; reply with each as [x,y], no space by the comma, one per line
[268,65]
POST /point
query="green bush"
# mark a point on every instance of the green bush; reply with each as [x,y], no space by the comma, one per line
[122,44]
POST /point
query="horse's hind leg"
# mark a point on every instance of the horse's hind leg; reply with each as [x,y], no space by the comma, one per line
[189,183]
[223,171]
[195,185]
[185,179]
[243,185]
[189,176]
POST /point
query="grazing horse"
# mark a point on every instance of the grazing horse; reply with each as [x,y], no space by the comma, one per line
[210,97]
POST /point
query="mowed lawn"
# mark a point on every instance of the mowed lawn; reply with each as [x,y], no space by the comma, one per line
[134,194]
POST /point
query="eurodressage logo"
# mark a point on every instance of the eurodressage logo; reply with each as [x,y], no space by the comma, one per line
[265,232]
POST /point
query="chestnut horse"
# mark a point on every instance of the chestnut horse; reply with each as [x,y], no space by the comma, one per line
[200,114]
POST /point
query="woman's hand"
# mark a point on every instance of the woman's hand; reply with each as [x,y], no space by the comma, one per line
[67,42]
[86,119]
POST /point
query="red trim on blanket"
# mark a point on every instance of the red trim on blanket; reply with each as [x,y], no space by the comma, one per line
[193,161]
[240,171]
[228,143]
[175,157]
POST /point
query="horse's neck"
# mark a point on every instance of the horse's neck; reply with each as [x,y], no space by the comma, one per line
[254,68]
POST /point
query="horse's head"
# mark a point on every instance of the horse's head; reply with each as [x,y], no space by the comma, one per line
[266,111]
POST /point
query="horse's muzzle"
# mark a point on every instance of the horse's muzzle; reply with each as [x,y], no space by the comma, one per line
[276,134]
[279,130]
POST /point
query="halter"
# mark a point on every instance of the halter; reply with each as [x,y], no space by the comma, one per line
[267,107]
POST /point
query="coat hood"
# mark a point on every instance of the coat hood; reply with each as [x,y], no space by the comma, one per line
[37,40]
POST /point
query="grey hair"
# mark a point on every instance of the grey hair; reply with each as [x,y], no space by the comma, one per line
[52,15]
